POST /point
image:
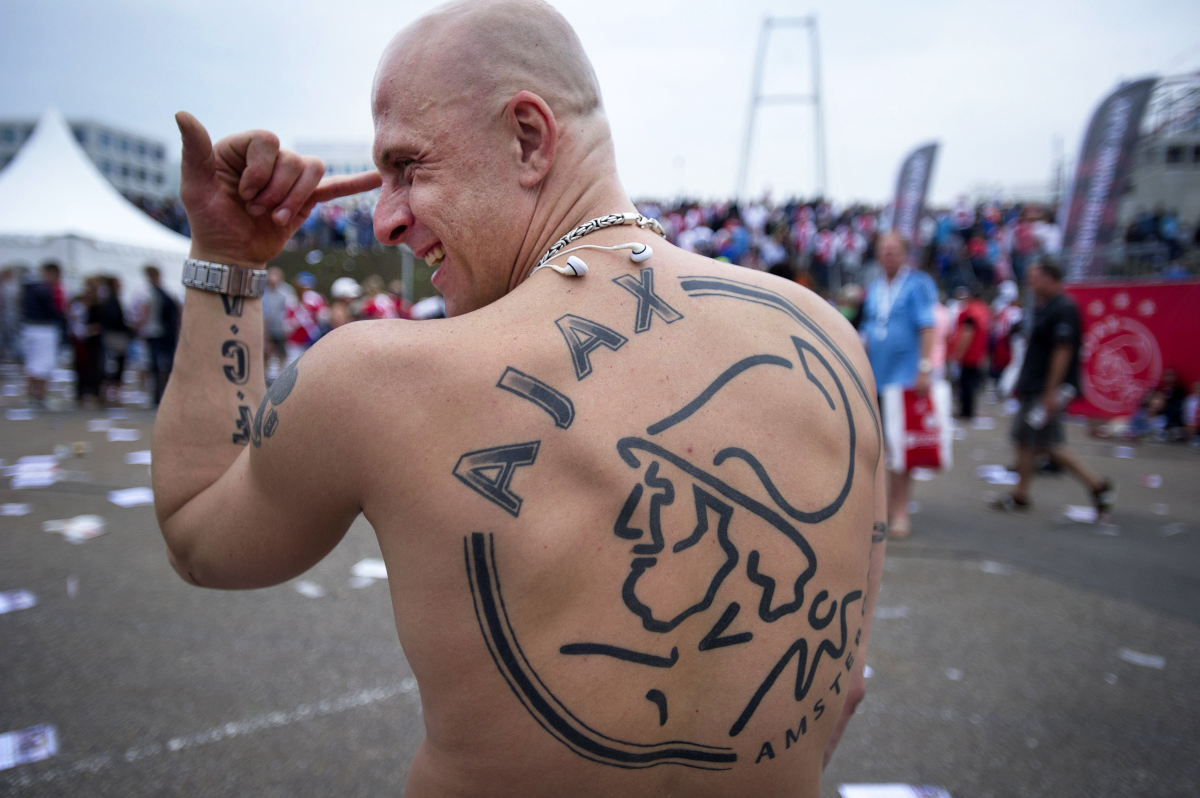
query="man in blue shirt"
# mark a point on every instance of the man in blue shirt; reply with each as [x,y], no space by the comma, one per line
[897,330]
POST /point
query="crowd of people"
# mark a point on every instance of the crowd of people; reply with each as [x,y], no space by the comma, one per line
[1161,227]
[347,223]
[104,335]
[296,315]
[971,259]
[827,247]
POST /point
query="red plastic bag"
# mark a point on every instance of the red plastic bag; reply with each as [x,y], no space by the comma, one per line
[917,428]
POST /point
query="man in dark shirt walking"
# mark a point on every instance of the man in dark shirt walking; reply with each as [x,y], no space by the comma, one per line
[160,329]
[42,321]
[1048,381]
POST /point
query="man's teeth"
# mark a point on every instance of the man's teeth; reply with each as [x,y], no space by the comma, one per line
[434,256]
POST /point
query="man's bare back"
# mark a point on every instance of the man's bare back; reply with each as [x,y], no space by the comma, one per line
[649,535]
[630,520]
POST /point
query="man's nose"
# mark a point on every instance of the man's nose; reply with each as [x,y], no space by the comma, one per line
[393,217]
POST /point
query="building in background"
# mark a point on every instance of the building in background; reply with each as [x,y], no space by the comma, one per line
[1166,170]
[136,165]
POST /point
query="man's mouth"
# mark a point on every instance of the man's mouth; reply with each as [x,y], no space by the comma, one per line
[435,254]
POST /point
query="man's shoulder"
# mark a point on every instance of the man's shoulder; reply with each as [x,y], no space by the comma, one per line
[363,375]
[924,282]
[1063,306]
[767,290]
[365,346]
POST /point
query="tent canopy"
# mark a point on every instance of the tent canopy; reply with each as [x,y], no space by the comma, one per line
[54,203]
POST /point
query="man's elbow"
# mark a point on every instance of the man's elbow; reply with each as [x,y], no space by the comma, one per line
[179,556]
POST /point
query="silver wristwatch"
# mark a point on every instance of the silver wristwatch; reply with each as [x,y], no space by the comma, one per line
[222,279]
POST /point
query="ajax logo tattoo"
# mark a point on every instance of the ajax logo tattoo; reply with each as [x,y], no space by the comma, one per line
[694,542]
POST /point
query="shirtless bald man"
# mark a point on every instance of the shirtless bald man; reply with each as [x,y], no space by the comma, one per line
[632,520]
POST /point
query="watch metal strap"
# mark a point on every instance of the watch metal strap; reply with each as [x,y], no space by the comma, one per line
[222,279]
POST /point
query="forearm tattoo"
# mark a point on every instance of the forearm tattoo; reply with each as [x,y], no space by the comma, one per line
[236,369]
[659,478]
[233,305]
[879,533]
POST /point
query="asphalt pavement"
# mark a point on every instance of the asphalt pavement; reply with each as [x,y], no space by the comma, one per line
[1012,655]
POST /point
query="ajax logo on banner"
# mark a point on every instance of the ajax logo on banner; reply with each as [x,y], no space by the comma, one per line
[1121,361]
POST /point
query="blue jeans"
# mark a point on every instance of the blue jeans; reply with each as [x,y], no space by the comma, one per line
[162,357]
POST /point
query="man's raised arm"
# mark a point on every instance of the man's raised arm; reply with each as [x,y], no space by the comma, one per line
[218,511]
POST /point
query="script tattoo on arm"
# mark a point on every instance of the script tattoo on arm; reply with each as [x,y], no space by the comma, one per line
[237,372]
[266,420]
[233,304]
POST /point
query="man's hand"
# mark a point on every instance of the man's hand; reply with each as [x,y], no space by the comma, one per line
[921,386]
[245,197]
[1050,405]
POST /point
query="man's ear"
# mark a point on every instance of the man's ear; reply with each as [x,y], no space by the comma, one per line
[535,133]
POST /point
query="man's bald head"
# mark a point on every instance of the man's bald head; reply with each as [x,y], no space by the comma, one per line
[485,51]
[489,134]
[893,252]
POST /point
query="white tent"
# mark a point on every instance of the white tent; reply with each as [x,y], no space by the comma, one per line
[55,205]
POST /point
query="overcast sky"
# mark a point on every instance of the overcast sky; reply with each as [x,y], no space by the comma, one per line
[994,82]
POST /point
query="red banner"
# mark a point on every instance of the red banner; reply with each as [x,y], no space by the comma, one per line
[1132,333]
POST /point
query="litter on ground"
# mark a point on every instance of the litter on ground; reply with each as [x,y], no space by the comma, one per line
[997,475]
[890,791]
[141,457]
[309,589]
[27,745]
[131,497]
[371,568]
[1080,514]
[1145,660]
[11,600]
[991,567]
[77,529]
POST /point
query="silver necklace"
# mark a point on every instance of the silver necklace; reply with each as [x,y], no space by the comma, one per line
[600,222]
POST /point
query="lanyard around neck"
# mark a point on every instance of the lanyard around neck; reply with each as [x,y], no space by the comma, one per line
[891,290]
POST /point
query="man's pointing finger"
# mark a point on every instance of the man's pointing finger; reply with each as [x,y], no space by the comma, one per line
[345,185]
